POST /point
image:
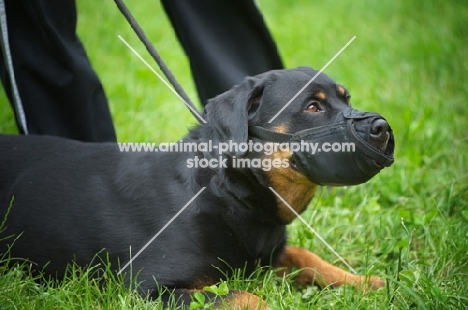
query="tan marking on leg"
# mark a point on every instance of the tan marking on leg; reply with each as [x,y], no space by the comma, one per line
[240,300]
[317,271]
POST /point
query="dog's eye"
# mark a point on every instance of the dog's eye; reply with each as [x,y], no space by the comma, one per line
[313,107]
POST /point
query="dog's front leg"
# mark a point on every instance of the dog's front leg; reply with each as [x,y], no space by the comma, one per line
[314,270]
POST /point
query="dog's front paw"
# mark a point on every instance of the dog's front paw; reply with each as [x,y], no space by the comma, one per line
[375,283]
[369,283]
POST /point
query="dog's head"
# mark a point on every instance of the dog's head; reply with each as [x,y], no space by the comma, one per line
[309,109]
[287,101]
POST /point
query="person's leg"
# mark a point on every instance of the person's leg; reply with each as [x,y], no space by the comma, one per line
[225,41]
[57,89]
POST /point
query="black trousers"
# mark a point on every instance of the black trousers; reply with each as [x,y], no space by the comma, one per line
[47,75]
[225,41]
[53,89]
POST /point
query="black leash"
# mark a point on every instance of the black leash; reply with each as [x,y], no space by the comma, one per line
[150,48]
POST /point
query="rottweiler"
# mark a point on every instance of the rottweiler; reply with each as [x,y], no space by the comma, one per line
[67,201]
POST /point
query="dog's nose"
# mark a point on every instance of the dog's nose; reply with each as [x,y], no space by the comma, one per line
[379,129]
[379,134]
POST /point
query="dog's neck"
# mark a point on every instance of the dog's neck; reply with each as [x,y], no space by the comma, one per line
[289,183]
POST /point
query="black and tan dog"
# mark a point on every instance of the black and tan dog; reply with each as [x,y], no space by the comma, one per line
[73,199]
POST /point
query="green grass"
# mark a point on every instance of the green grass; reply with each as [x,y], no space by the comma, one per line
[409,224]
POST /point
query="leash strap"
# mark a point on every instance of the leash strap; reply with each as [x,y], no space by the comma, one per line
[5,46]
[154,53]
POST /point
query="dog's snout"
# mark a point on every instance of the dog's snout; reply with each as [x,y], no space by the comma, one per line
[379,130]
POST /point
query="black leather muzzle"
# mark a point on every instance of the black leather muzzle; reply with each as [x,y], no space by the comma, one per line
[349,151]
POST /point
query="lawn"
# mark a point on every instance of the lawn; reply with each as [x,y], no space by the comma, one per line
[409,224]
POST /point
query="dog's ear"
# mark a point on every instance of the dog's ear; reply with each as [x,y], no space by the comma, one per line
[229,113]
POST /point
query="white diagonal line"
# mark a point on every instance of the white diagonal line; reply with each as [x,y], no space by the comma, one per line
[311,80]
[161,230]
[162,79]
[315,232]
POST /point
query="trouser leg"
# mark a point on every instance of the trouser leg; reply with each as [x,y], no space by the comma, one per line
[49,79]
[225,41]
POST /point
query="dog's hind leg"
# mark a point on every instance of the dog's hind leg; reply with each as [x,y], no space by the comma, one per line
[314,270]
[240,300]
[234,300]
